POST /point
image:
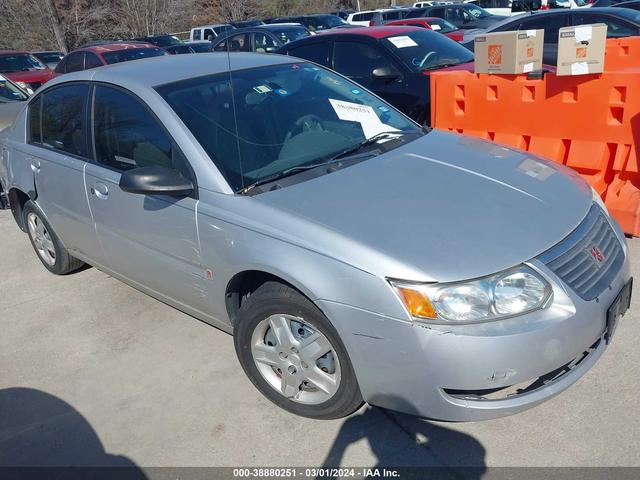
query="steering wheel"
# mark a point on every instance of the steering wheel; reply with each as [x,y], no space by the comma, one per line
[426,57]
[304,124]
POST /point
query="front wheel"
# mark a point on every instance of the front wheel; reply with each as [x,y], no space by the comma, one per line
[293,355]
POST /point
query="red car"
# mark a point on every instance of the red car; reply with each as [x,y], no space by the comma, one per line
[24,69]
[97,55]
[432,23]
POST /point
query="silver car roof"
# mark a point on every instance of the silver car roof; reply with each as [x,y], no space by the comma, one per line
[154,71]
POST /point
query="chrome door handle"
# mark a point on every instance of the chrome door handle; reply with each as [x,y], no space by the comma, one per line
[100,190]
[35,165]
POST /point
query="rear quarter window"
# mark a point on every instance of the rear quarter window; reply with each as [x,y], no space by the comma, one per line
[63,115]
[317,52]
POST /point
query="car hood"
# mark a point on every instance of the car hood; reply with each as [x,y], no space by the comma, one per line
[30,76]
[9,112]
[441,208]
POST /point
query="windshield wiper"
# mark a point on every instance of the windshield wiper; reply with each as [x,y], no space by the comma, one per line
[334,159]
[442,64]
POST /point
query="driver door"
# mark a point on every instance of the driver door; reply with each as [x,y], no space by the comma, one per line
[150,240]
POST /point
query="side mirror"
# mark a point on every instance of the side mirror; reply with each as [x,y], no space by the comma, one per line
[155,181]
[385,73]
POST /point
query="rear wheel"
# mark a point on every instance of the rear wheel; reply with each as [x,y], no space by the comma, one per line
[45,242]
[293,355]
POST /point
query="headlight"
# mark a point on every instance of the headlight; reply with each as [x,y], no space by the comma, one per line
[598,199]
[512,292]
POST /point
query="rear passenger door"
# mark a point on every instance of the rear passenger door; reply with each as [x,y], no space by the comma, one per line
[150,240]
[57,153]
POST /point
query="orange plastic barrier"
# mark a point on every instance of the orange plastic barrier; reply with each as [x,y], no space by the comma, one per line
[589,123]
[622,54]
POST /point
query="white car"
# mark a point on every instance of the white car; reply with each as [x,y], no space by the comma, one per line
[209,32]
[364,17]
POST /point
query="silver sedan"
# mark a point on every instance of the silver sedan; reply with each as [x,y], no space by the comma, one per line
[353,255]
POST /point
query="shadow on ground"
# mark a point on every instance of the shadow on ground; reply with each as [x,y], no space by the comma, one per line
[38,429]
[403,440]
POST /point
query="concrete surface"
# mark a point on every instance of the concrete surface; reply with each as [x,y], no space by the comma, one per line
[93,372]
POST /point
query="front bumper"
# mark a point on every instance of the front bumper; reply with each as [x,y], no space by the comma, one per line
[443,372]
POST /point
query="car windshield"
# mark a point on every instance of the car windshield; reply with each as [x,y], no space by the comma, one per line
[132,54]
[476,11]
[167,40]
[290,34]
[323,22]
[632,15]
[260,122]
[427,50]
[441,25]
[19,62]
[10,92]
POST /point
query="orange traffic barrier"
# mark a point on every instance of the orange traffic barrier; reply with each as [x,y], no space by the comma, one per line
[622,54]
[588,122]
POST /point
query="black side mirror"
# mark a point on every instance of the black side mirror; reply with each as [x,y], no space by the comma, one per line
[156,181]
[385,73]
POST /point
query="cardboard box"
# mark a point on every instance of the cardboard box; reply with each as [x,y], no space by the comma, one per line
[509,52]
[581,49]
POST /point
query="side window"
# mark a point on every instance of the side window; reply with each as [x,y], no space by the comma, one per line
[35,134]
[91,60]
[197,34]
[62,66]
[358,60]
[551,26]
[63,114]
[316,52]
[126,135]
[75,62]
[263,43]
[240,43]
[616,28]
[209,34]
[436,12]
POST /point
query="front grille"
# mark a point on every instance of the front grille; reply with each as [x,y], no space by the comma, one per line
[589,258]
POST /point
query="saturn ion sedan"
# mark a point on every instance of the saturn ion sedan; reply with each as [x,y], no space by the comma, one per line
[354,256]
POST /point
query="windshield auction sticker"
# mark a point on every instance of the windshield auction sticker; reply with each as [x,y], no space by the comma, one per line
[402,41]
[363,114]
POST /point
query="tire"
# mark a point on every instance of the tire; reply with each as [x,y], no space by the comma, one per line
[280,305]
[46,243]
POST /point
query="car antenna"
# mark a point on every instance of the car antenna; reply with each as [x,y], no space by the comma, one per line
[233,106]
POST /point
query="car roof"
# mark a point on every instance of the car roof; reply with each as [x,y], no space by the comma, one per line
[13,52]
[382,31]
[559,11]
[115,47]
[275,26]
[154,71]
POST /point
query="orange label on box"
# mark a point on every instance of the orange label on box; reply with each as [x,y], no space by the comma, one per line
[581,52]
[529,52]
[494,54]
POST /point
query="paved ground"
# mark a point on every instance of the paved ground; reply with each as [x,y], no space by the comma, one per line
[94,372]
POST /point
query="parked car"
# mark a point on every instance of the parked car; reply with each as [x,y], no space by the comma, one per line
[190,47]
[394,62]
[247,23]
[209,32]
[161,41]
[49,58]
[12,99]
[87,58]
[343,14]
[314,23]
[464,16]
[606,3]
[24,69]
[262,39]
[382,17]
[632,4]
[439,25]
[353,255]
[363,17]
[621,22]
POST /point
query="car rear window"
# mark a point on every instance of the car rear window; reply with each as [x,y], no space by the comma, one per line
[19,62]
[132,54]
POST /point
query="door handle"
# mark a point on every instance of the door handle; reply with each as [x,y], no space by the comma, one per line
[35,165]
[100,190]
